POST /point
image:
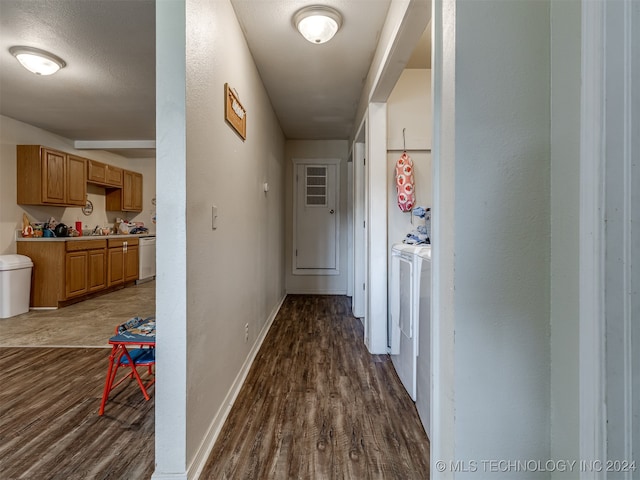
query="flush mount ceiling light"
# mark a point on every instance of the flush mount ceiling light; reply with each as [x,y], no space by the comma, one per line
[317,23]
[37,61]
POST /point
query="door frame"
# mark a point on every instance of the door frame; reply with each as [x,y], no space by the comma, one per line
[598,391]
[315,161]
[591,298]
[359,304]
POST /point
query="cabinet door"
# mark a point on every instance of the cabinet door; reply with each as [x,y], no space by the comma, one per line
[53,176]
[97,270]
[76,274]
[116,266]
[132,192]
[76,181]
[131,263]
[136,194]
[96,172]
[114,176]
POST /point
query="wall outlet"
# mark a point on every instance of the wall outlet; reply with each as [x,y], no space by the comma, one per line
[246,332]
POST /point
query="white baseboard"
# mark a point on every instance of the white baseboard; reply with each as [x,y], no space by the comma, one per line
[202,455]
[169,476]
[316,292]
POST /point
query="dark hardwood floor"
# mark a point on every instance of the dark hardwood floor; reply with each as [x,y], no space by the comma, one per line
[317,405]
[49,423]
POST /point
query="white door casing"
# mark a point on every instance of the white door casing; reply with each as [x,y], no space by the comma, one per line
[359,232]
[610,245]
[316,225]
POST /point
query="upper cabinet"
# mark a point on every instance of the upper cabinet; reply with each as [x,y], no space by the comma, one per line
[129,197]
[50,177]
[104,174]
[132,192]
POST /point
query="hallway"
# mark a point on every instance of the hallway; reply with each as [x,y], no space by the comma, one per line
[317,405]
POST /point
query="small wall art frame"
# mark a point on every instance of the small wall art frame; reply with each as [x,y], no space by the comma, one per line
[234,112]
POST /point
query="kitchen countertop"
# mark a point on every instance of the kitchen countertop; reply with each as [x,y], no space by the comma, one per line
[85,237]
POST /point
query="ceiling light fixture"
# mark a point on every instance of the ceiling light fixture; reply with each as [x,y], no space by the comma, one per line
[37,61]
[317,23]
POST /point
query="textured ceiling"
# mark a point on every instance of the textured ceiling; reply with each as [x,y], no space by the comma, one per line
[107,90]
[314,89]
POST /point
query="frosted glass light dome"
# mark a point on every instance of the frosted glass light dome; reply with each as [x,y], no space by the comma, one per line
[318,24]
[37,61]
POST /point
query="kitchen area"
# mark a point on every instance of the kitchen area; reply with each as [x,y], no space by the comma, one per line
[86,221]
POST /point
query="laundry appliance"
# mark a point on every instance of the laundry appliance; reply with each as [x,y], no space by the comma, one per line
[408,268]
[423,354]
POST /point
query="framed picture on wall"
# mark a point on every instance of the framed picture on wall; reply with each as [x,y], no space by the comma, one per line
[234,112]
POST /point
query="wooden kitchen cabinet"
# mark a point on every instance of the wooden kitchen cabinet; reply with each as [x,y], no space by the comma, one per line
[131,263]
[76,274]
[129,197]
[132,192]
[50,177]
[65,270]
[85,267]
[104,174]
[123,261]
[97,270]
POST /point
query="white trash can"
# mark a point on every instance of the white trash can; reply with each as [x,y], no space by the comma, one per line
[15,284]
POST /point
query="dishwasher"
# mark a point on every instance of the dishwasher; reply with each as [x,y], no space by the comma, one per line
[147,264]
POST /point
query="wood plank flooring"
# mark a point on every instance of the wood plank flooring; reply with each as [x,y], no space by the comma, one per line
[49,423]
[316,405]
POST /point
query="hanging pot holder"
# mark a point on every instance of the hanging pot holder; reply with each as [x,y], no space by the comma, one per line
[404,183]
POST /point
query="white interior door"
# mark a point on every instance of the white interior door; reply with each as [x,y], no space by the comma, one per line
[316,217]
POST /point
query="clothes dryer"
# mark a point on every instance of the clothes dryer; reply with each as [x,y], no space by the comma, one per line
[402,321]
[423,370]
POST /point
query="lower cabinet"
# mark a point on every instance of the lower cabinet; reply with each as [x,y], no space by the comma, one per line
[76,266]
[97,271]
[123,261]
[66,270]
[131,262]
[85,267]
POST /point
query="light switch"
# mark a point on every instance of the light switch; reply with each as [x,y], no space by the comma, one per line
[214,217]
[265,186]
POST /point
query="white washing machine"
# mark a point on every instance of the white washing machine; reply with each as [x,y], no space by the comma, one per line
[423,354]
[404,311]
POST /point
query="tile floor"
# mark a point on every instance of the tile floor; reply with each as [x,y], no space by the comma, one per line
[85,324]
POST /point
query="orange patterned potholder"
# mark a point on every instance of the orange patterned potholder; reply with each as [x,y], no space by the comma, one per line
[404,183]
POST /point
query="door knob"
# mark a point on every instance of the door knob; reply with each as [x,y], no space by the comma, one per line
[331,211]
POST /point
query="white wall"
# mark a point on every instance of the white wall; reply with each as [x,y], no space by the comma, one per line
[234,274]
[319,284]
[409,107]
[492,116]
[565,238]
[171,245]
[12,133]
